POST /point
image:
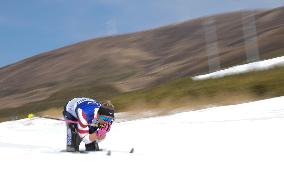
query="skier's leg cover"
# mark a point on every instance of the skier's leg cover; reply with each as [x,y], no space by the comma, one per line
[73,139]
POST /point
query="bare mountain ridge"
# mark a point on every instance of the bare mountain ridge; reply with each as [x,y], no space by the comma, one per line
[138,60]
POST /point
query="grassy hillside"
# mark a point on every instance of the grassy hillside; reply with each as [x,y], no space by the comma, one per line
[196,94]
[179,93]
[58,100]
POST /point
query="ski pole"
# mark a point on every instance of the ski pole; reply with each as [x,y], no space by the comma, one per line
[58,119]
[54,118]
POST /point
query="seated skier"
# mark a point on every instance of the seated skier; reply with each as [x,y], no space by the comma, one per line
[92,121]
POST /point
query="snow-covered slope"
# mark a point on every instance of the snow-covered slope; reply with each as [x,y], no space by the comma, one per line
[255,66]
[231,148]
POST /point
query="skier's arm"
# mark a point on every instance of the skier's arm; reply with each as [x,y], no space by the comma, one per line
[89,138]
[83,129]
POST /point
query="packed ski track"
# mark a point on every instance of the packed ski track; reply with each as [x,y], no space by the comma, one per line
[230,148]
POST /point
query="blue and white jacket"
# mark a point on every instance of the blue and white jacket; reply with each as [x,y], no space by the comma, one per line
[85,111]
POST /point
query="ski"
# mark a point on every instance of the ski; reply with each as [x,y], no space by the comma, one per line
[75,152]
[108,151]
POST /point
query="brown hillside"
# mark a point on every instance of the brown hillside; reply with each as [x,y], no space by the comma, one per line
[138,60]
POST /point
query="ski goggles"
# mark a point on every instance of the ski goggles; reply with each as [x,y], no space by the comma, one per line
[106,119]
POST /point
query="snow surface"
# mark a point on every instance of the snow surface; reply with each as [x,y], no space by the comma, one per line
[255,66]
[230,148]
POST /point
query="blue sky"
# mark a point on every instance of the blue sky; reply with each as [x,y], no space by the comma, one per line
[30,27]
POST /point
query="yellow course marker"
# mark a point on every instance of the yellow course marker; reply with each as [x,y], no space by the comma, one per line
[30,115]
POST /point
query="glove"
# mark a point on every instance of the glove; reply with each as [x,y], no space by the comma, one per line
[105,126]
[101,132]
